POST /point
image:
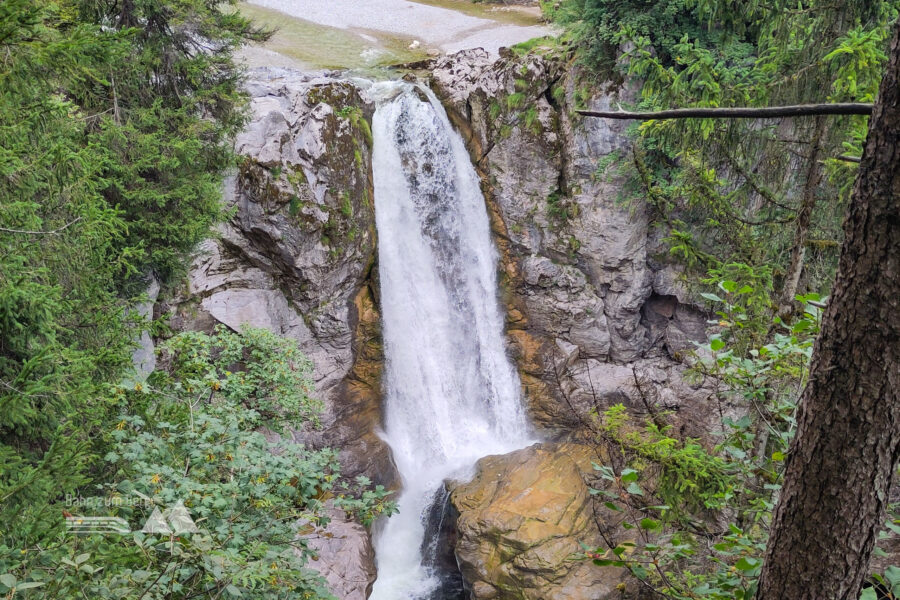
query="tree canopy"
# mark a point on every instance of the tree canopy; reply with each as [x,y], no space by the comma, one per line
[117,121]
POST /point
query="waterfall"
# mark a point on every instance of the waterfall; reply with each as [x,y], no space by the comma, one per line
[452,395]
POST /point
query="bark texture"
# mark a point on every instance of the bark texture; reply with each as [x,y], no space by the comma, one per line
[846,450]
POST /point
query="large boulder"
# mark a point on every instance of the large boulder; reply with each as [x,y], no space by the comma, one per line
[522,520]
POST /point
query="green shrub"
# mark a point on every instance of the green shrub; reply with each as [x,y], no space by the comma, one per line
[673,493]
[265,372]
[192,436]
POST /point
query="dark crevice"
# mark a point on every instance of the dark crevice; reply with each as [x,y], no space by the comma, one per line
[548,94]
[485,154]
[439,548]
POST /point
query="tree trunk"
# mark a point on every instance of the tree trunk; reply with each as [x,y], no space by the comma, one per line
[804,218]
[842,460]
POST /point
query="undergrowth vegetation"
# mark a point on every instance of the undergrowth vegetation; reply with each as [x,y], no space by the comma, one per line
[191,436]
[696,514]
[699,513]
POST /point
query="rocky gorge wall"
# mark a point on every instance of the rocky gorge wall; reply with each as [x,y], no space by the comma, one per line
[297,258]
[595,317]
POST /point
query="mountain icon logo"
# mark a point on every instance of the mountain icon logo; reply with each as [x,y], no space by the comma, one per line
[175,520]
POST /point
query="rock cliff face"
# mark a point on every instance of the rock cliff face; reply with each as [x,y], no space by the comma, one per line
[343,555]
[594,316]
[297,255]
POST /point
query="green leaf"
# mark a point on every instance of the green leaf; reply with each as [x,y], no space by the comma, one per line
[605,471]
[716,344]
[747,564]
[649,524]
[607,562]
[8,579]
[728,286]
[801,326]
[711,297]
[635,489]
[722,546]
[629,475]
[892,574]
[27,585]
[868,594]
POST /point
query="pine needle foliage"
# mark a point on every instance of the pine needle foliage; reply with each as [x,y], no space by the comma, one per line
[116,120]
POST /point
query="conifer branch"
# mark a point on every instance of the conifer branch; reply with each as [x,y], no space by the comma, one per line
[38,232]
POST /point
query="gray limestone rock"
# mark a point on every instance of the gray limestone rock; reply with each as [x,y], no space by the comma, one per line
[343,555]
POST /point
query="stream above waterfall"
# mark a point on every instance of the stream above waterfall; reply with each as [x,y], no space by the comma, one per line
[452,395]
[348,34]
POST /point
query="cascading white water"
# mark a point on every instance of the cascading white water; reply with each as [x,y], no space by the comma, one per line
[452,395]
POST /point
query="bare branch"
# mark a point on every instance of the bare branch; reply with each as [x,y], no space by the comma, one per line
[741,112]
[29,232]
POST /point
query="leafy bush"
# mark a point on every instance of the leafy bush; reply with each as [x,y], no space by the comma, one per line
[675,493]
[246,496]
[191,435]
[601,26]
[676,562]
[264,371]
[674,496]
[687,477]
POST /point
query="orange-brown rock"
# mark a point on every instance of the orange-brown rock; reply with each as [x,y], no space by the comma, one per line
[521,521]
